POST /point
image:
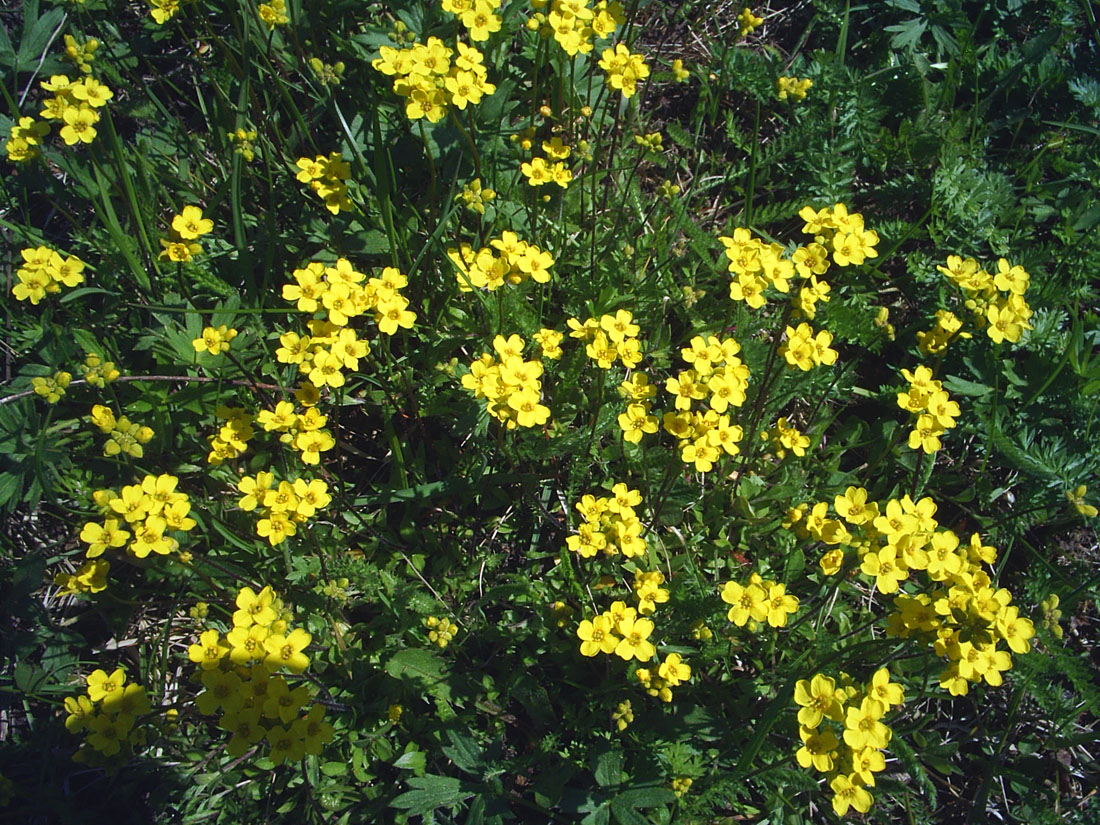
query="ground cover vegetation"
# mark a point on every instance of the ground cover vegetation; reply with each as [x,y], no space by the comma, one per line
[550,410]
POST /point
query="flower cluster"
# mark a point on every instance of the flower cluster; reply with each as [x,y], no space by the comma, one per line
[782,437]
[625,631]
[539,171]
[243,141]
[717,376]
[44,272]
[610,526]
[329,74]
[233,436]
[75,103]
[574,25]
[25,138]
[182,242]
[793,88]
[624,69]
[214,340]
[326,177]
[964,618]
[440,631]
[680,785]
[748,22]
[90,577]
[1052,615]
[242,681]
[304,431]
[609,338]
[651,142]
[281,507]
[935,411]
[755,265]
[123,435]
[850,767]
[670,673]
[340,293]
[474,196]
[997,301]
[97,372]
[619,631]
[806,349]
[81,54]
[511,386]
[648,590]
[478,17]
[273,13]
[637,420]
[623,715]
[52,387]
[505,259]
[424,75]
[948,328]
[758,601]
[843,232]
[144,513]
[107,713]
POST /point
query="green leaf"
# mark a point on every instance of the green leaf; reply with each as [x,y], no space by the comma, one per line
[625,815]
[37,35]
[423,668]
[464,753]
[961,386]
[431,792]
[600,816]
[609,768]
[646,796]
[412,761]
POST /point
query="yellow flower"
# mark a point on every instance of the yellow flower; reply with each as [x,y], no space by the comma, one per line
[1077,499]
[214,340]
[597,636]
[163,10]
[273,13]
[849,794]
[748,603]
[209,651]
[100,685]
[79,124]
[624,69]
[286,651]
[817,699]
[190,223]
[179,251]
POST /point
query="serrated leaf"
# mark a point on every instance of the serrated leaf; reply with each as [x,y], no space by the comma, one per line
[678,134]
[647,797]
[600,816]
[423,668]
[431,792]
[625,815]
[464,753]
[906,34]
[36,37]
[609,768]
